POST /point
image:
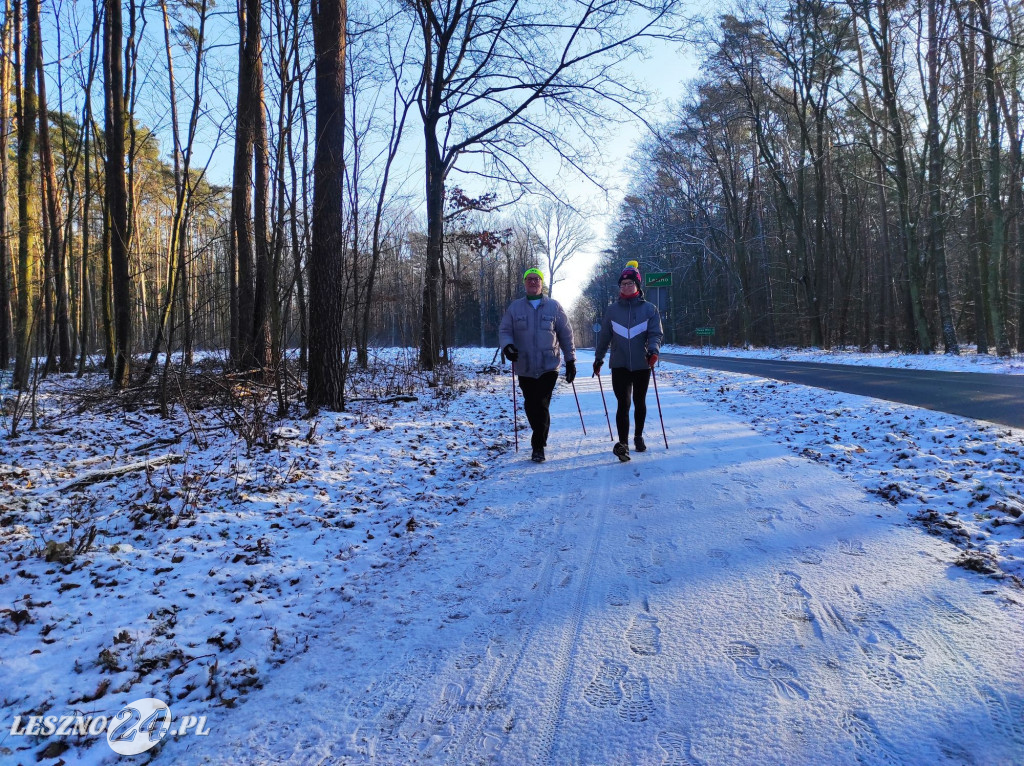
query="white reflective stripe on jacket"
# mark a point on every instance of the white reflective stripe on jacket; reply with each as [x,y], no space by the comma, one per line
[632,327]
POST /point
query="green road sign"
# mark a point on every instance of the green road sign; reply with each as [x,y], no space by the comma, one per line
[659,279]
[705,330]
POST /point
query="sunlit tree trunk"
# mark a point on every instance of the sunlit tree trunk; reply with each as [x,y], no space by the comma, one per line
[27,260]
[117,192]
[6,319]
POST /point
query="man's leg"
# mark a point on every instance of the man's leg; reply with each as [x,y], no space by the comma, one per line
[536,401]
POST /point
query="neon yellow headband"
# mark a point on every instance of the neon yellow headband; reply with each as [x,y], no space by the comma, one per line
[528,272]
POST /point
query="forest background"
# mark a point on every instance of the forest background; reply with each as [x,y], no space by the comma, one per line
[835,173]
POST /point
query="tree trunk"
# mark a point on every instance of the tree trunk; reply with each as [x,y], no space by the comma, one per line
[182,157]
[241,198]
[54,236]
[327,353]
[301,187]
[27,265]
[88,134]
[117,192]
[6,318]
[85,315]
[997,244]
[937,229]
[260,333]
[397,127]
[430,347]
[902,177]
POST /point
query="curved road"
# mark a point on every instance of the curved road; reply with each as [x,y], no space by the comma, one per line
[983,396]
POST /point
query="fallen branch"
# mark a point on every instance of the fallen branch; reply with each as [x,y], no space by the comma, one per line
[387,400]
[103,474]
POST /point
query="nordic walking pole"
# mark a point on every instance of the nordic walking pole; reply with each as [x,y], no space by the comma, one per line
[658,400]
[578,408]
[601,386]
[515,407]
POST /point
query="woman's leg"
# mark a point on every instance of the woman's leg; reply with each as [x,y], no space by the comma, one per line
[622,383]
[641,379]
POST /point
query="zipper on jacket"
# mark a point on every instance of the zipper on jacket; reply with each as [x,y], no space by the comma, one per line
[629,341]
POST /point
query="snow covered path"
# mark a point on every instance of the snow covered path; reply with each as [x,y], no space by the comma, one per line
[722,602]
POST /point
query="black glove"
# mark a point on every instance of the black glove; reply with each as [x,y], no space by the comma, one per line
[597,367]
[570,371]
[511,353]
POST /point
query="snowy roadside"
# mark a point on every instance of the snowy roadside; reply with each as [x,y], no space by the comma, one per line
[208,572]
[193,575]
[967,361]
[962,479]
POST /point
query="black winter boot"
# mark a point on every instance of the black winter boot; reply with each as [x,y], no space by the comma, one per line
[621,451]
[638,442]
[538,455]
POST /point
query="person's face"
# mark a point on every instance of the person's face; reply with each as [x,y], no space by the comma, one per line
[533,285]
[627,287]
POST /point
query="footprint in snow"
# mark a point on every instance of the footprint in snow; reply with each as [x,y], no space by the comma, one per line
[881,667]
[644,635]
[1009,723]
[872,749]
[618,595]
[852,547]
[781,676]
[717,554]
[810,555]
[636,703]
[677,749]
[605,689]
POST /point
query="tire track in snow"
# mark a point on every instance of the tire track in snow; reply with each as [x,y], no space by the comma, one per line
[490,721]
[475,735]
[566,654]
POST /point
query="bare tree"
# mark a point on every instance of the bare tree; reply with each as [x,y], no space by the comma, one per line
[563,232]
[498,75]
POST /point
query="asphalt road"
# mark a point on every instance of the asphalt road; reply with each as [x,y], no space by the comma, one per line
[996,398]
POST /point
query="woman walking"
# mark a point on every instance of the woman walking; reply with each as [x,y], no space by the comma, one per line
[632,327]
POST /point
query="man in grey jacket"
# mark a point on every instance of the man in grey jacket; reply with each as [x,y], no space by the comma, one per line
[632,327]
[533,332]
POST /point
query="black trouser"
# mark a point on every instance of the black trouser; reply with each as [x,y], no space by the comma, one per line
[625,382]
[536,401]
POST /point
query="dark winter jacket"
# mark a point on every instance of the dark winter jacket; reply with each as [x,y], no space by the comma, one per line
[539,333]
[632,327]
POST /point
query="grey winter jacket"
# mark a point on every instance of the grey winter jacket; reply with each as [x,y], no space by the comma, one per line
[538,333]
[632,327]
